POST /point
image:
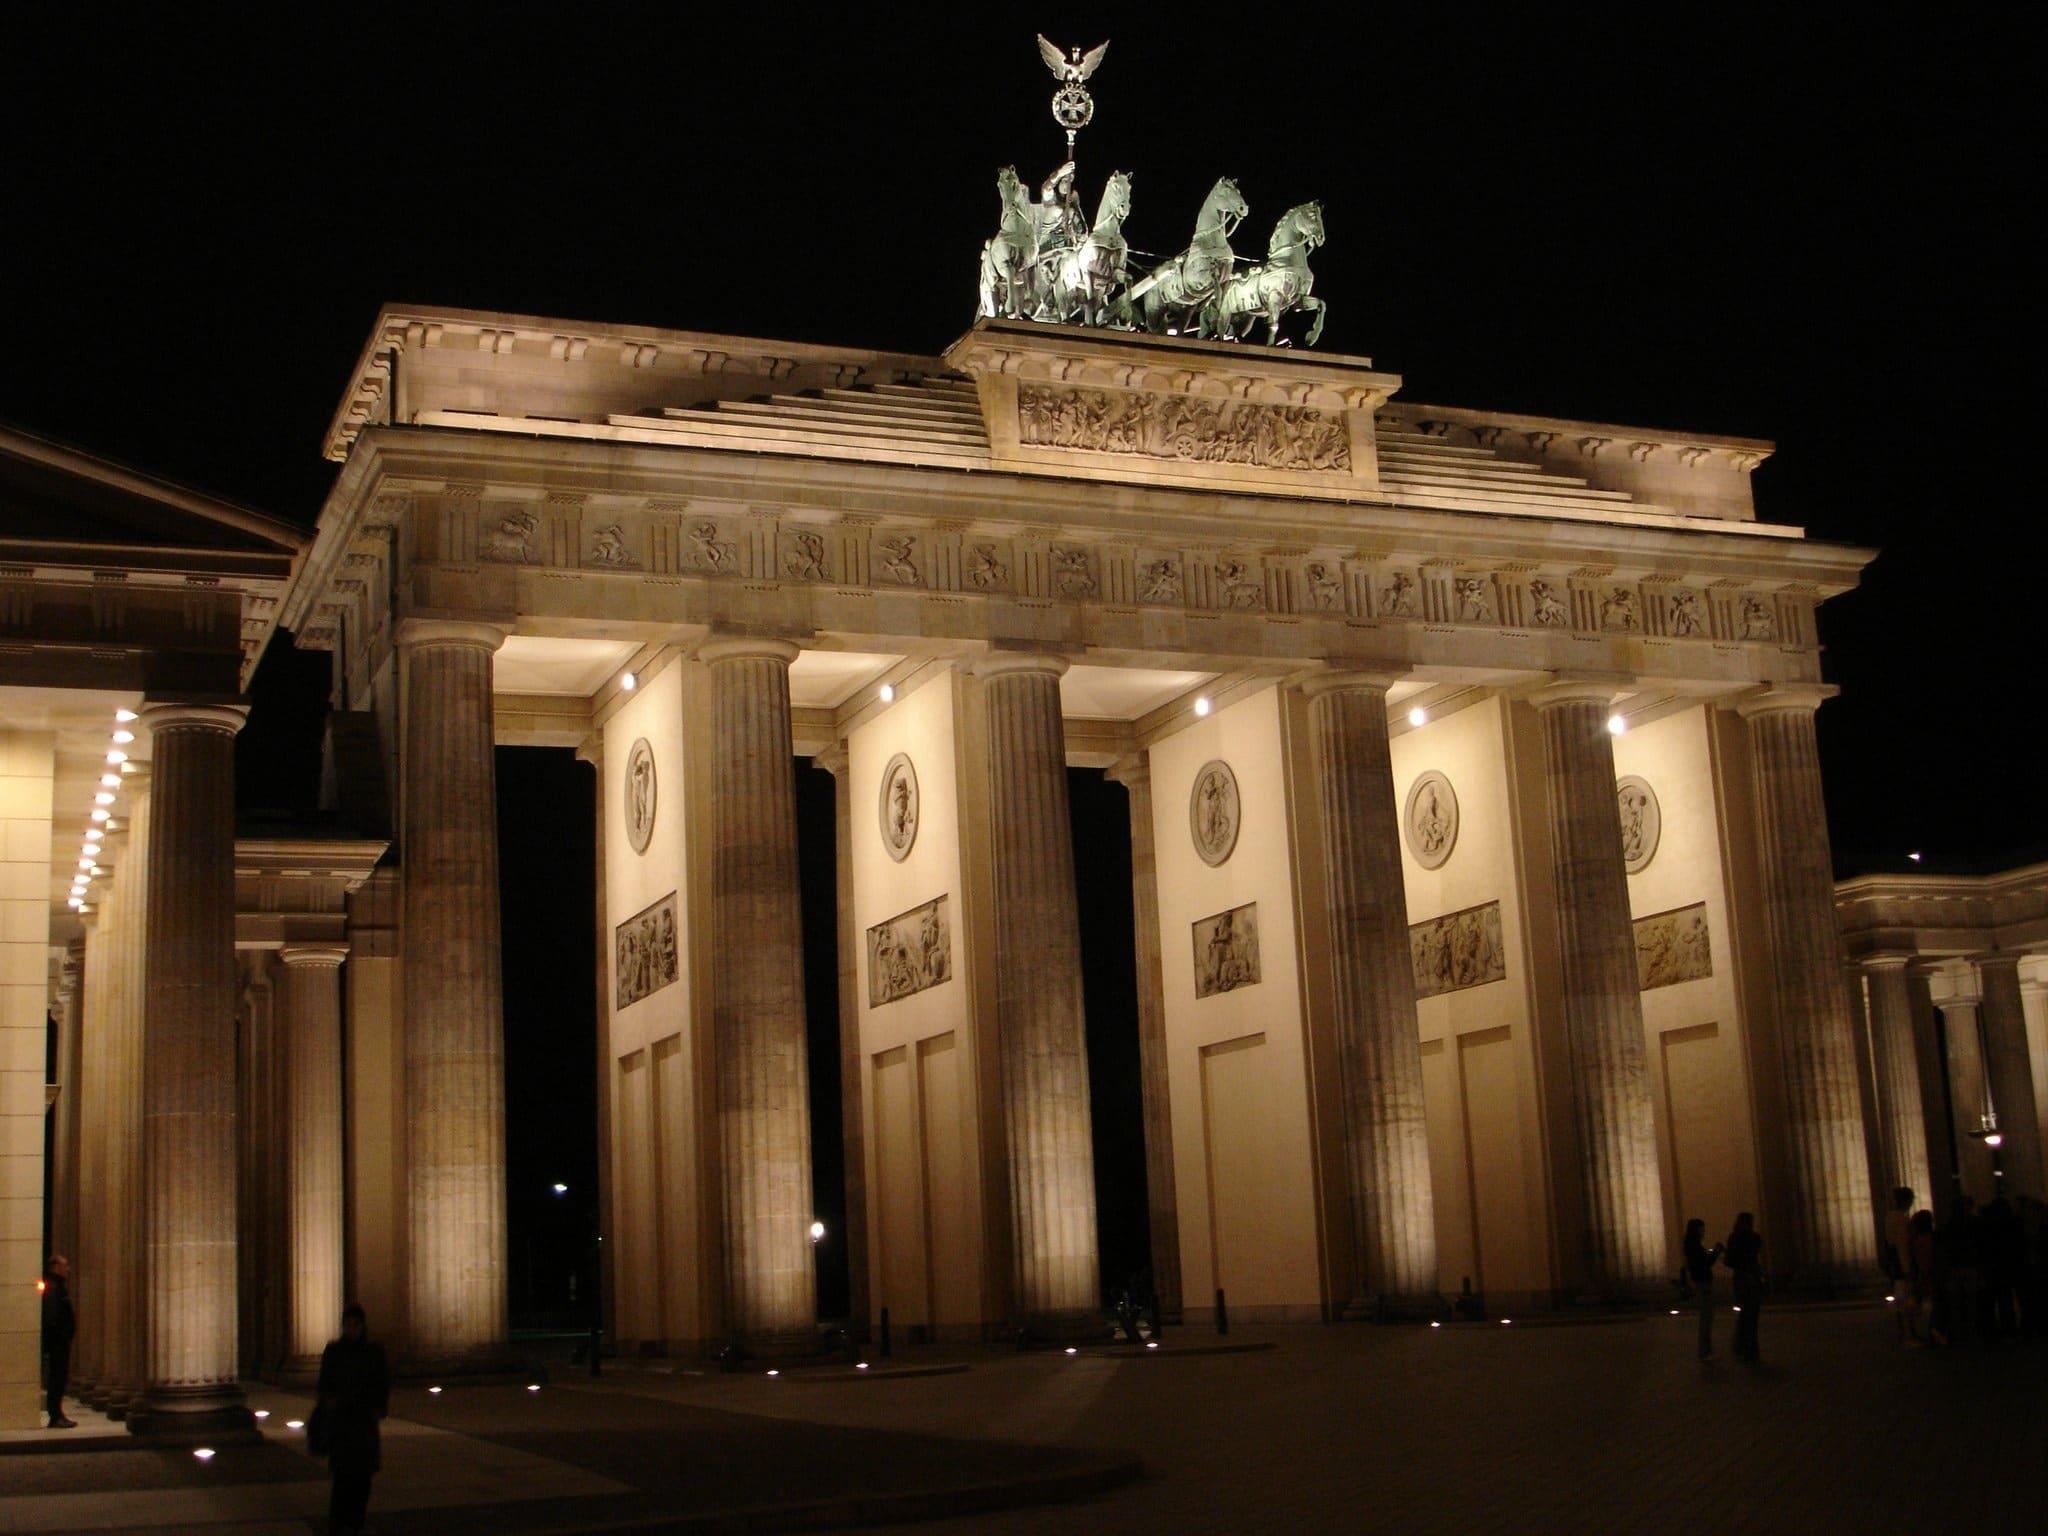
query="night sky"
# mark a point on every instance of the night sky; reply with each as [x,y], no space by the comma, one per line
[1808,227]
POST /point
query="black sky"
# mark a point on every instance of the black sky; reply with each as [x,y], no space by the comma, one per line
[1808,225]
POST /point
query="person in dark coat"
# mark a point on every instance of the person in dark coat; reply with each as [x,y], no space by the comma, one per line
[60,1326]
[353,1394]
[1699,1273]
[1743,1253]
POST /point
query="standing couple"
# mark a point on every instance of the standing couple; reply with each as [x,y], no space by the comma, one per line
[1743,1254]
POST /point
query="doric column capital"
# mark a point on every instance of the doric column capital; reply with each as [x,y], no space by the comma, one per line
[833,759]
[1351,679]
[1008,663]
[1884,960]
[1998,960]
[747,648]
[416,634]
[1803,698]
[327,956]
[1577,690]
[176,715]
[1131,771]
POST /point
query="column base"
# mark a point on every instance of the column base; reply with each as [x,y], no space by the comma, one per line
[212,1417]
[1389,1308]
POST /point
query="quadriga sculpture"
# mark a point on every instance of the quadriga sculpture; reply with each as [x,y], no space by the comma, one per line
[1280,283]
[1176,294]
[1085,280]
[1009,256]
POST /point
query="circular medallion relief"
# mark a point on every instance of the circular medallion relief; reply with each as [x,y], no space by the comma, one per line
[899,806]
[1431,819]
[640,795]
[1642,822]
[1213,811]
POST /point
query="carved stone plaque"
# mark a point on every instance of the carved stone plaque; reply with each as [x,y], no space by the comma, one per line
[1213,811]
[1227,950]
[1642,822]
[640,795]
[1191,429]
[908,953]
[1430,820]
[645,944]
[899,807]
[1457,950]
[1672,947]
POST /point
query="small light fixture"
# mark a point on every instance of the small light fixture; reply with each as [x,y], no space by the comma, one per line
[1914,857]
[110,781]
[262,1413]
[1072,1351]
[1994,1139]
[123,716]
[1436,1325]
[1202,707]
[86,862]
[1616,725]
[1738,1309]
[1888,1301]
[773,1372]
[860,1365]
[117,756]
[1674,1311]
[433,1391]
[203,1453]
[887,693]
[294,1423]
[1418,716]
[560,1189]
[1505,1321]
[100,814]
[1151,1343]
[817,1231]
[122,738]
[629,682]
[75,904]
[533,1386]
[103,797]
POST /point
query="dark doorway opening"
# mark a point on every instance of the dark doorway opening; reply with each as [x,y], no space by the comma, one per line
[547,891]
[817,849]
[1099,812]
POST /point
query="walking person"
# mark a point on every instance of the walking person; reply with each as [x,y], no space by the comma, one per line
[1956,1252]
[1699,1273]
[1743,1253]
[1897,1258]
[353,1394]
[60,1326]
[1920,1263]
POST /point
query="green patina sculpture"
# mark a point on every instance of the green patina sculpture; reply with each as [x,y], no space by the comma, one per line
[1046,262]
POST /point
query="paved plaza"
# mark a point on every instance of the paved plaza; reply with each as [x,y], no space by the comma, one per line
[1604,1426]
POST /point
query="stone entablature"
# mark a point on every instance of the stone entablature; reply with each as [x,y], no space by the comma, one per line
[1941,916]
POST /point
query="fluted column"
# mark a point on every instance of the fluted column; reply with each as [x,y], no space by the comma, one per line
[70,1069]
[2009,1074]
[1379,1054]
[1603,1005]
[1895,1067]
[454,994]
[88,1265]
[1039,1019]
[1161,1200]
[834,761]
[312,1128]
[188,1076]
[757,985]
[1824,1114]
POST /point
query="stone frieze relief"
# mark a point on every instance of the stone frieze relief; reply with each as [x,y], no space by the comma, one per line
[1189,428]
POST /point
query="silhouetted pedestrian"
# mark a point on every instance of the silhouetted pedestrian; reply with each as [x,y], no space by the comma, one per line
[353,1394]
[2002,1250]
[1699,1274]
[1921,1269]
[1743,1253]
[1955,1262]
[60,1327]
[2033,1266]
[1896,1258]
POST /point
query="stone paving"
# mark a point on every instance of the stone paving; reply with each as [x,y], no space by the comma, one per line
[1606,1426]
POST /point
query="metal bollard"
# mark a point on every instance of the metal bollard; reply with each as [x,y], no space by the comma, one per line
[1222,1312]
[885,1333]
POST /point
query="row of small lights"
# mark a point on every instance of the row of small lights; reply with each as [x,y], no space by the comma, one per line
[89,866]
[1418,716]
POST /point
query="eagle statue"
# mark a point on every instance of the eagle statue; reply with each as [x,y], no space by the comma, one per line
[1070,71]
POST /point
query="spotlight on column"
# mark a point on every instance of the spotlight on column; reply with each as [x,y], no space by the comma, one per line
[817,1231]
[1418,716]
[1202,707]
[629,682]
[888,693]
[1616,724]
[1994,1139]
